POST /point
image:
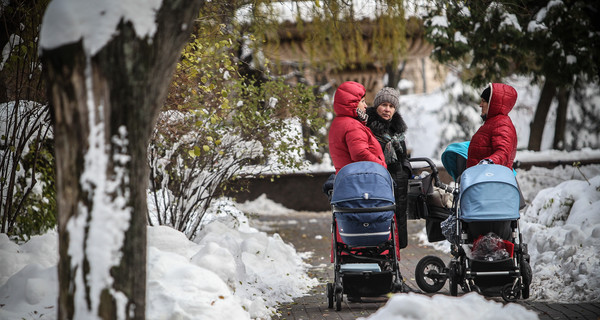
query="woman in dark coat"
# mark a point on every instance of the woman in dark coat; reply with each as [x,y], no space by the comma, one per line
[389,129]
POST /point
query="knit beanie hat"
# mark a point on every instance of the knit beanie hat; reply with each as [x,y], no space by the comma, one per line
[389,95]
[485,95]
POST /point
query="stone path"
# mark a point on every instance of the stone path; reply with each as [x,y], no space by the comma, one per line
[310,232]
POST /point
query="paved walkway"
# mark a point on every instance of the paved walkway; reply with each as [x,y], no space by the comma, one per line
[310,232]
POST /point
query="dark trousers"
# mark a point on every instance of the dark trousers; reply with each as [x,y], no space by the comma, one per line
[401,207]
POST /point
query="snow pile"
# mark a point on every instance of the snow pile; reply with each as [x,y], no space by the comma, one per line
[264,206]
[231,269]
[562,229]
[469,306]
[537,178]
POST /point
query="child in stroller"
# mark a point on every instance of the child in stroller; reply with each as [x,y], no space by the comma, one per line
[364,239]
[489,255]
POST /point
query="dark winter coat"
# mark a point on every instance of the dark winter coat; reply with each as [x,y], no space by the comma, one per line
[385,131]
[349,139]
[496,139]
[399,167]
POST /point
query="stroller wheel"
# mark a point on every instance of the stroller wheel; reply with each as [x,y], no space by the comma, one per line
[525,292]
[430,274]
[329,295]
[527,275]
[453,286]
[509,294]
[338,301]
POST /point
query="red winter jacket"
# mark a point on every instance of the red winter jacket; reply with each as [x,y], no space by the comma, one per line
[496,139]
[349,139]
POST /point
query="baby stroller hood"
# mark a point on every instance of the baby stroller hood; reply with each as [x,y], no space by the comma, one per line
[454,158]
[363,184]
[363,203]
[489,192]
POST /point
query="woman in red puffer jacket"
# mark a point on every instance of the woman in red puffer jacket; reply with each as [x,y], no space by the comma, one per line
[349,138]
[496,140]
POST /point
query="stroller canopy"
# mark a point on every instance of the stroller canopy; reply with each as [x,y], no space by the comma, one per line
[363,184]
[454,158]
[489,192]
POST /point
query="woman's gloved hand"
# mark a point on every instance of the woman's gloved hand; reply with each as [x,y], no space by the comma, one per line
[486,161]
[397,146]
[397,143]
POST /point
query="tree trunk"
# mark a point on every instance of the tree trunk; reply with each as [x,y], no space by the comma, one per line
[104,108]
[424,74]
[541,112]
[394,72]
[561,118]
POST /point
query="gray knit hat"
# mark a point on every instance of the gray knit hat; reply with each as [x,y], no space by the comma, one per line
[387,94]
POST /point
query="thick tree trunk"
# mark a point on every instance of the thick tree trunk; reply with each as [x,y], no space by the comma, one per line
[104,109]
[541,112]
[561,118]
[67,92]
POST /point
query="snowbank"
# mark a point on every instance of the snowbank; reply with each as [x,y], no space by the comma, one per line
[562,229]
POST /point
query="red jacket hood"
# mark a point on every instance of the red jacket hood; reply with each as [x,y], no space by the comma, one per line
[346,98]
[502,99]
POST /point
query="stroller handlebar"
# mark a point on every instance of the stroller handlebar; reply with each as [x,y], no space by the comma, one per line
[435,174]
[434,171]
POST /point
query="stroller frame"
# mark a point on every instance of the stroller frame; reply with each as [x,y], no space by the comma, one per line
[466,272]
[388,278]
[510,278]
[363,267]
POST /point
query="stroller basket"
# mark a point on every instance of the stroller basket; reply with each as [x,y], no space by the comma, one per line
[363,204]
[491,276]
[368,284]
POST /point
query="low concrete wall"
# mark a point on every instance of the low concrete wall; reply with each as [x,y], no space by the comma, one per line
[294,191]
[305,191]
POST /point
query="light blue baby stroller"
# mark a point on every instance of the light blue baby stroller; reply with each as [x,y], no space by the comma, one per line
[489,255]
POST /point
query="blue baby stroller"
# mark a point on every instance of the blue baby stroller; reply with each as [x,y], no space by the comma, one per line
[364,243]
[489,255]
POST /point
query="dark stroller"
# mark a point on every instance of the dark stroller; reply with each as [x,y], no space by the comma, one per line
[425,199]
[489,255]
[364,242]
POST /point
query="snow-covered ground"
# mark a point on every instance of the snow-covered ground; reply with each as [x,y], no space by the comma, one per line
[469,306]
[230,269]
